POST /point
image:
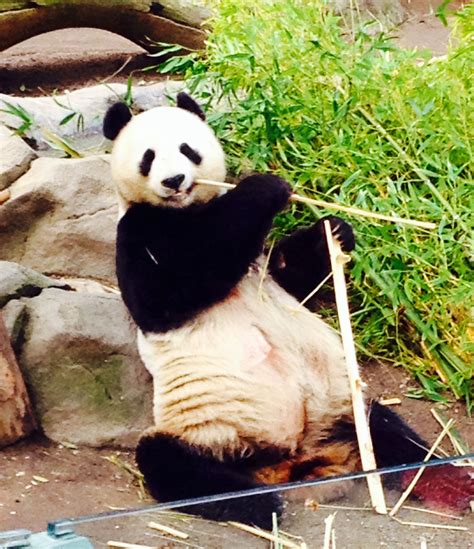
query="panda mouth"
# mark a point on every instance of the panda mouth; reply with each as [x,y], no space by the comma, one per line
[181,194]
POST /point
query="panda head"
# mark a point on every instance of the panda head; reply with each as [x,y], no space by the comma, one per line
[159,154]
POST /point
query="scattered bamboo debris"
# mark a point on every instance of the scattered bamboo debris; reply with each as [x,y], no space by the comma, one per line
[390,401]
[283,542]
[431,525]
[420,471]
[38,478]
[453,437]
[338,258]
[168,530]
[131,470]
[124,545]
[315,506]
[331,206]
[431,512]
[340,507]
[329,536]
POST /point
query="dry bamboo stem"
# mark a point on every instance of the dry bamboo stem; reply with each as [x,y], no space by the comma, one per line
[124,545]
[431,525]
[420,471]
[390,401]
[167,530]
[338,258]
[454,441]
[265,535]
[328,529]
[331,206]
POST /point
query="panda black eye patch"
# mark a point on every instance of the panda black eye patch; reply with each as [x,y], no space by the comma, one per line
[147,161]
[190,153]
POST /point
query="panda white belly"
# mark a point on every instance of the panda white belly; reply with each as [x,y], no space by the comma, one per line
[256,368]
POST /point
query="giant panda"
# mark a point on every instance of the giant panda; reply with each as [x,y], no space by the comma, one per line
[250,387]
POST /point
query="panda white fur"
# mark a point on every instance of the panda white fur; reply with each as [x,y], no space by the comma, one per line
[249,386]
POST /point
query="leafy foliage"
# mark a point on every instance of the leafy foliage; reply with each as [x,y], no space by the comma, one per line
[348,117]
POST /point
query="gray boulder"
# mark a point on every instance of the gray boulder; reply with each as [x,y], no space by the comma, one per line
[14,316]
[17,281]
[87,108]
[61,219]
[83,372]
[15,157]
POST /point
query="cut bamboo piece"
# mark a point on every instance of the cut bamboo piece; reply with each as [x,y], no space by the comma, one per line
[266,535]
[124,545]
[168,530]
[328,531]
[390,401]
[338,258]
[331,206]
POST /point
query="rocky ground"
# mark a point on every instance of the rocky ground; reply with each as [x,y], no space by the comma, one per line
[56,262]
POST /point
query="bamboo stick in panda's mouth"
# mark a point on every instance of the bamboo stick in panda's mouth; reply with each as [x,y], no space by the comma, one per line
[331,206]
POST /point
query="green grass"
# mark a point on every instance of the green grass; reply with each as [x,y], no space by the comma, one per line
[348,117]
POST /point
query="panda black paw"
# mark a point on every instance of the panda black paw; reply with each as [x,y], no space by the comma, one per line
[268,189]
[340,229]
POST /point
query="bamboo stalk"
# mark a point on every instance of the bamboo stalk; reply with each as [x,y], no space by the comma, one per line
[331,206]
[338,258]
[420,471]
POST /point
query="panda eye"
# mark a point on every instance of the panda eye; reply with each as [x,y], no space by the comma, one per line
[190,153]
[147,161]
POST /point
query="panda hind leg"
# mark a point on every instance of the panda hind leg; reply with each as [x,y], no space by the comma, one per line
[175,470]
[332,458]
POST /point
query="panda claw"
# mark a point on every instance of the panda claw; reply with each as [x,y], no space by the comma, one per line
[341,230]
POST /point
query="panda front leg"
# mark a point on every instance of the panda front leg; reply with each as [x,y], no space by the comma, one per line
[301,261]
[175,470]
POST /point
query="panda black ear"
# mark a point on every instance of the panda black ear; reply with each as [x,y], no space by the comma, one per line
[116,118]
[184,101]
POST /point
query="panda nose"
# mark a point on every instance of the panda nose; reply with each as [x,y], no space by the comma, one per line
[173,182]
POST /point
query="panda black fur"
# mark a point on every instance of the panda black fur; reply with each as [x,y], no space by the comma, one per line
[249,387]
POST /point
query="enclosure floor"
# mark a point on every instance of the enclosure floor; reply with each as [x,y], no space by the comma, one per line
[82,482]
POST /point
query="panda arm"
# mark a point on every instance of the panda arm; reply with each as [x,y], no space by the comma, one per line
[301,261]
[247,211]
[174,263]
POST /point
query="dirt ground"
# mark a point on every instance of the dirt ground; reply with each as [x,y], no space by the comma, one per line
[42,481]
